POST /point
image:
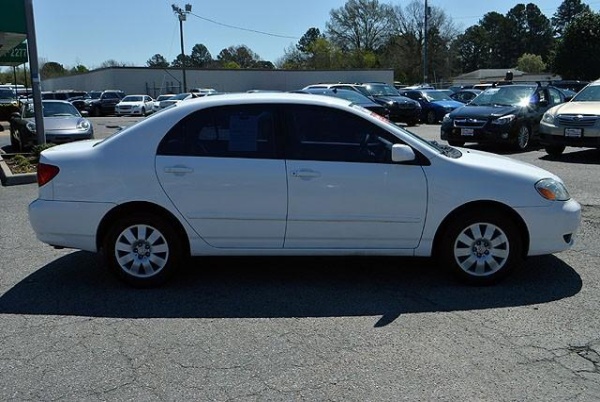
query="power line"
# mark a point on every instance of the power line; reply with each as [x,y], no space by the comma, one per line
[243,29]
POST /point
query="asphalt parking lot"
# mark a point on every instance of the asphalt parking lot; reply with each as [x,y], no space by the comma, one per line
[274,329]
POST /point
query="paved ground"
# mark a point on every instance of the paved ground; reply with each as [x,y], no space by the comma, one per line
[279,329]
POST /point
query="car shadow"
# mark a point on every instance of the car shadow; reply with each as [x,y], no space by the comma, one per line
[581,156]
[274,287]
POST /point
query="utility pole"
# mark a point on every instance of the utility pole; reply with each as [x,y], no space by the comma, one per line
[35,74]
[182,16]
[425,76]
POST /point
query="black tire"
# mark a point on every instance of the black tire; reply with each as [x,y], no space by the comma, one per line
[554,150]
[431,118]
[456,143]
[481,247]
[144,112]
[523,138]
[96,112]
[151,234]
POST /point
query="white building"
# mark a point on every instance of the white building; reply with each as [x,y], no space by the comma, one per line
[154,81]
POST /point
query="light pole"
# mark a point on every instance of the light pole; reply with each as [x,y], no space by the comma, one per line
[181,15]
[425,27]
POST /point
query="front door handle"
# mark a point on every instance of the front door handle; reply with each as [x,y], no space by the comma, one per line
[305,174]
[178,170]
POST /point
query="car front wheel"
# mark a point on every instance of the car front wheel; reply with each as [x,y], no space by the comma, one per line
[143,250]
[523,137]
[481,248]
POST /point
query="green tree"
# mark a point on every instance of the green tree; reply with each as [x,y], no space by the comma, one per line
[78,69]
[241,55]
[565,13]
[531,63]
[578,52]
[471,49]
[52,69]
[157,61]
[531,32]
[182,61]
[308,39]
[200,56]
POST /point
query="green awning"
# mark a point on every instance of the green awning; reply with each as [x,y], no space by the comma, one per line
[13,26]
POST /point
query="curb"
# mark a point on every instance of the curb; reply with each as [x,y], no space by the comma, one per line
[10,179]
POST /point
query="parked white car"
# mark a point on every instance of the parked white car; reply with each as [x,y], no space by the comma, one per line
[160,98]
[293,174]
[135,105]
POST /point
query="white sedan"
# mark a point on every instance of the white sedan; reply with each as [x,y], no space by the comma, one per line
[135,105]
[293,174]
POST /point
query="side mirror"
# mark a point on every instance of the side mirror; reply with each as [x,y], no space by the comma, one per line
[402,153]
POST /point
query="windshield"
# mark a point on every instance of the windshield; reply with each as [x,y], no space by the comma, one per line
[180,96]
[590,93]
[437,95]
[164,97]
[382,90]
[132,98]
[509,95]
[54,109]
[348,94]
[7,94]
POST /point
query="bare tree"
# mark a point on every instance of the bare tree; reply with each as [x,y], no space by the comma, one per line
[361,25]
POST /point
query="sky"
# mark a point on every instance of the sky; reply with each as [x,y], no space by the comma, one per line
[72,32]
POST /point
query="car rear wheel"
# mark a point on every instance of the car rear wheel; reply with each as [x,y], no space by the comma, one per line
[555,150]
[481,248]
[523,137]
[143,250]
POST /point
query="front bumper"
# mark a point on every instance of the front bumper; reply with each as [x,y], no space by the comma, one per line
[552,229]
[486,134]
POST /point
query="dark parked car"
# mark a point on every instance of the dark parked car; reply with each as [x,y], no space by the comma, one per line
[505,114]
[402,109]
[106,102]
[355,97]
[435,103]
[62,123]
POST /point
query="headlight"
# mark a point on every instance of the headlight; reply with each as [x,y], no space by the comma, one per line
[548,118]
[83,124]
[552,190]
[504,119]
[30,126]
[446,118]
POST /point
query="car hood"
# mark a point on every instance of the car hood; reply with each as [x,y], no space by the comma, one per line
[449,103]
[482,111]
[499,164]
[134,103]
[59,123]
[395,99]
[578,108]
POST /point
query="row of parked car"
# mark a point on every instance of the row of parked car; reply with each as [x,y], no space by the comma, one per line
[518,114]
[506,112]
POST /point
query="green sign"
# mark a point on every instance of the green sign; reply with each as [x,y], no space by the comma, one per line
[16,56]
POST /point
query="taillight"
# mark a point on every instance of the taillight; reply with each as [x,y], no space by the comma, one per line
[45,173]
